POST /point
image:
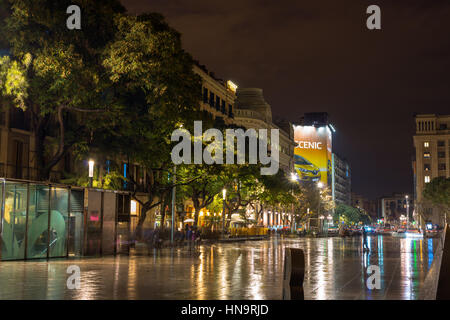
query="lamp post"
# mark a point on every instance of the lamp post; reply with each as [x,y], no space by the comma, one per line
[224,192]
[320,186]
[174,190]
[407,211]
[294,178]
[91,172]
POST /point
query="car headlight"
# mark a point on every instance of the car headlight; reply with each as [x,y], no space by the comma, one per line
[303,170]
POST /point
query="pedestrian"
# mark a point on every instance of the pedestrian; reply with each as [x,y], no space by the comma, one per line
[189,236]
[364,235]
[186,228]
[198,238]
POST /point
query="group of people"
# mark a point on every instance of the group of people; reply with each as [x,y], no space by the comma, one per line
[192,235]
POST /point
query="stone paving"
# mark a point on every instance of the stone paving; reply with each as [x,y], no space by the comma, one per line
[335,269]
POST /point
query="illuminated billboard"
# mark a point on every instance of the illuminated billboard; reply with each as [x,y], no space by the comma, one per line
[312,154]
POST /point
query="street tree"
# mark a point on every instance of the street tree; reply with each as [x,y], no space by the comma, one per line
[438,193]
[55,74]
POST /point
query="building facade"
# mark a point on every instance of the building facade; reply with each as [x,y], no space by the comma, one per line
[394,208]
[341,180]
[253,112]
[218,96]
[368,205]
[432,160]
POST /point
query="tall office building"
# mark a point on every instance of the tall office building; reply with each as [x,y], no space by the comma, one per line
[432,159]
[341,181]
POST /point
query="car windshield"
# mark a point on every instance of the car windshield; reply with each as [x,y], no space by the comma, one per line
[300,160]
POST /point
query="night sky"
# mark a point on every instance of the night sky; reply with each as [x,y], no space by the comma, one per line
[318,56]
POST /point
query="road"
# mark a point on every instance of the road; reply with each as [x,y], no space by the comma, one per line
[335,269]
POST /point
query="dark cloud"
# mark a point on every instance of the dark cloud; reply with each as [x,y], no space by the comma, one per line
[319,56]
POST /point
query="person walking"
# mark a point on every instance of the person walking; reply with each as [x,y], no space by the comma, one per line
[189,237]
[365,246]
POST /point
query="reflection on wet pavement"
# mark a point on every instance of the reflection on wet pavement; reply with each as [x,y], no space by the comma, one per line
[335,269]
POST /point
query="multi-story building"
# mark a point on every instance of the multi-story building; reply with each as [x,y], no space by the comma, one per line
[253,112]
[341,180]
[393,208]
[369,206]
[218,96]
[17,146]
[432,159]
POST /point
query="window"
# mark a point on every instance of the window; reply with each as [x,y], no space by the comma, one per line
[426,167]
[205,95]
[426,144]
[441,154]
[427,179]
[230,110]
[18,158]
[223,107]
[427,155]
[211,99]
[441,166]
[217,103]
[443,126]
[441,143]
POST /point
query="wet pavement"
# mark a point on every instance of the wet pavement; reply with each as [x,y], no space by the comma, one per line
[335,269]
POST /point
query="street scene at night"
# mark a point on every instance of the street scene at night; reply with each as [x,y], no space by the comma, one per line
[203,152]
[244,271]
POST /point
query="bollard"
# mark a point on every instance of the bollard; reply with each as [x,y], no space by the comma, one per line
[294,274]
[443,287]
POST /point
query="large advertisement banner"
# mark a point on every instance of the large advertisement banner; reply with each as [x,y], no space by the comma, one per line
[312,155]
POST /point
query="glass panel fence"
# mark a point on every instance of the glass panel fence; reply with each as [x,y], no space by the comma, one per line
[76,223]
[58,222]
[14,221]
[38,222]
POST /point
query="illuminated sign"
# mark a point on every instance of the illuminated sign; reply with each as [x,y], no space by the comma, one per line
[312,154]
[310,145]
[232,86]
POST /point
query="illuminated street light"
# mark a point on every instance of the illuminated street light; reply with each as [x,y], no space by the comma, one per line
[320,185]
[224,193]
[294,176]
[407,211]
[91,172]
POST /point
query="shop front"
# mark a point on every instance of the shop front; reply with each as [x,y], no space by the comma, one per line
[40,220]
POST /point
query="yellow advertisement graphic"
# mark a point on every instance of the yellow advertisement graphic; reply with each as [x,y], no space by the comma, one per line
[312,155]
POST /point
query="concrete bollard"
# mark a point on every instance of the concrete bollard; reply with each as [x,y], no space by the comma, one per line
[294,274]
[443,287]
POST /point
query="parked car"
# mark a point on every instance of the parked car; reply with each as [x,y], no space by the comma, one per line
[333,230]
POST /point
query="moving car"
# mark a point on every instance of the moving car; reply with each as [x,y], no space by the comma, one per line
[305,169]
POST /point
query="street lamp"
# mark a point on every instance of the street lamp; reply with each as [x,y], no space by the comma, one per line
[294,176]
[174,195]
[224,192]
[91,172]
[407,211]
[320,186]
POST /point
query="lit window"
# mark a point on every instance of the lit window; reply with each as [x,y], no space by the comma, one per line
[427,155]
[427,179]
[426,144]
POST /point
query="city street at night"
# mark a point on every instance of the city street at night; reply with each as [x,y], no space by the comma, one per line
[241,270]
[215,159]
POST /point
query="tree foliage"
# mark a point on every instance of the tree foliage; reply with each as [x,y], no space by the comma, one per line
[438,192]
